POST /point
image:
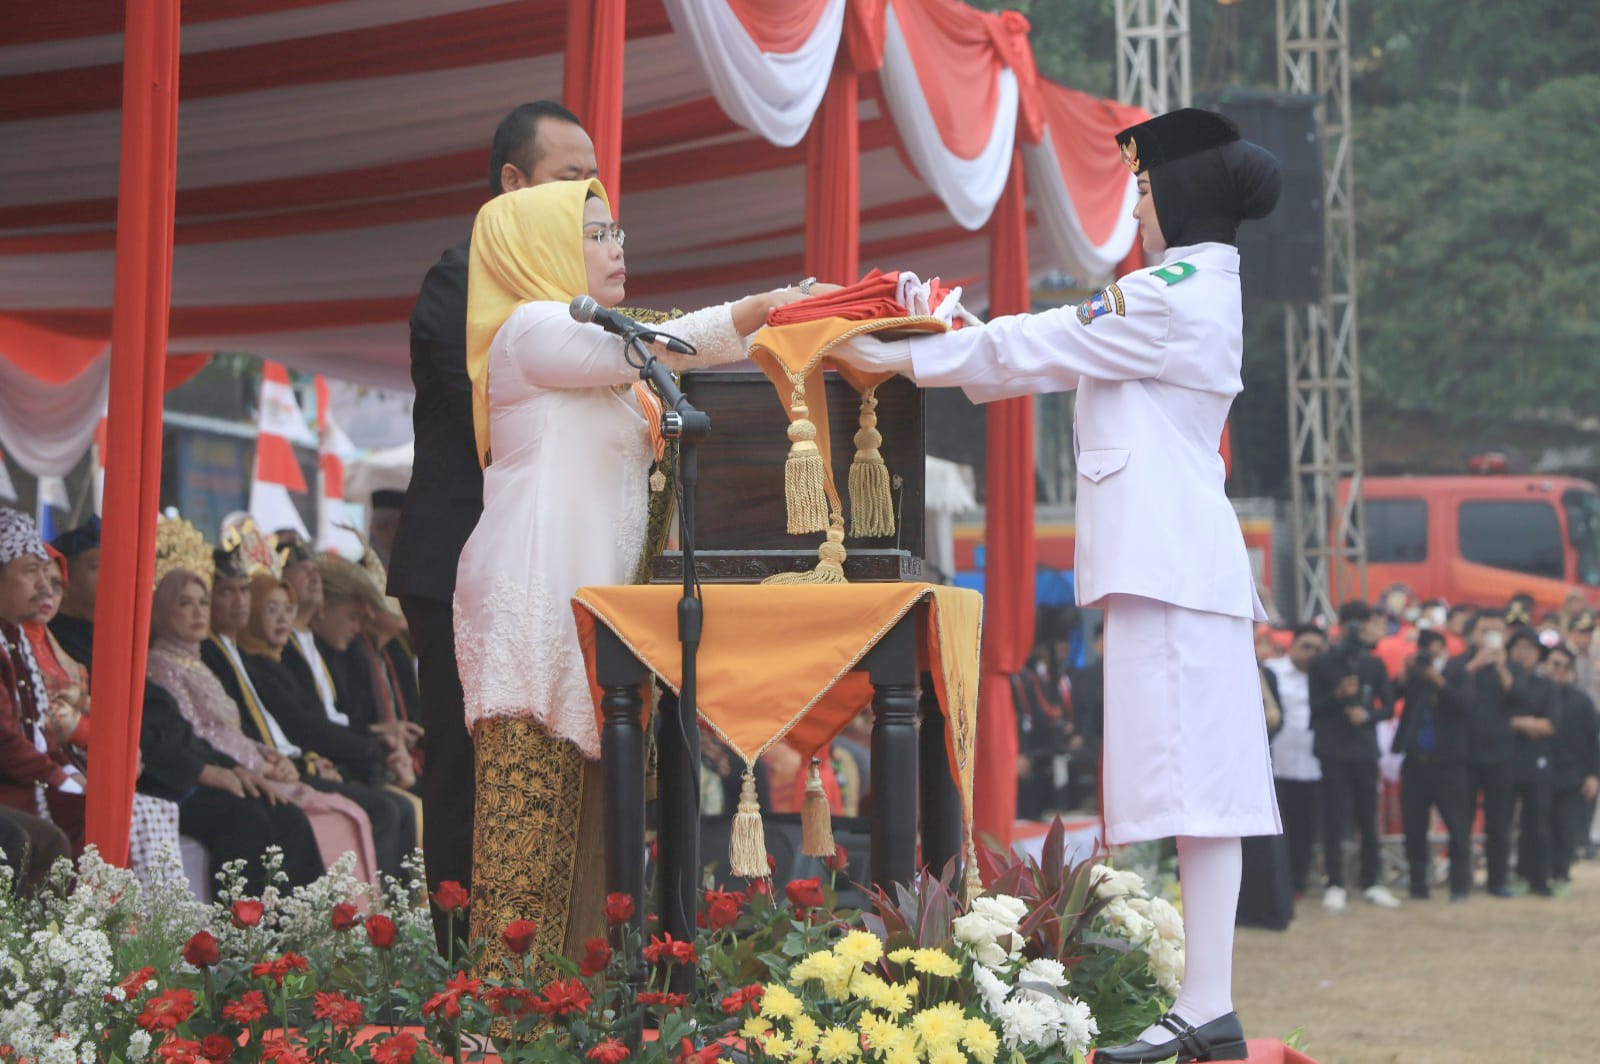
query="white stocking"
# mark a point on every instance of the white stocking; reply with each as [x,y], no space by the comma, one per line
[1208,872]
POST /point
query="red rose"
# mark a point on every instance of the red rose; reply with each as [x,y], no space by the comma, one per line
[250,1007]
[564,996]
[804,893]
[338,1009]
[618,908]
[166,1010]
[344,916]
[596,955]
[663,999]
[839,860]
[743,998]
[180,1051]
[513,1001]
[666,948]
[132,984]
[247,913]
[610,1051]
[380,931]
[217,1048]
[688,1054]
[518,936]
[450,896]
[723,907]
[201,950]
[396,1049]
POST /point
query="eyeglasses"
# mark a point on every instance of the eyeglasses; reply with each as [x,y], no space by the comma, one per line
[605,233]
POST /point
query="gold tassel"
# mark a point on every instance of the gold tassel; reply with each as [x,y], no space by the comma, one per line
[805,473]
[871,506]
[816,819]
[747,847]
[830,563]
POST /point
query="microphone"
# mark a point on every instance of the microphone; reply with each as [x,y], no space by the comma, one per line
[585,309]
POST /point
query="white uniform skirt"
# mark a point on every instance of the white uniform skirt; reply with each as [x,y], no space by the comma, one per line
[1185,729]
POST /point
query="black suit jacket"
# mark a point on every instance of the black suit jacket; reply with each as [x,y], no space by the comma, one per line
[1336,739]
[445,497]
[1443,704]
[174,756]
[298,711]
[1577,738]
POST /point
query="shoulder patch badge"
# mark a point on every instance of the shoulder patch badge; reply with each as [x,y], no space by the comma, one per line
[1174,272]
[1106,301]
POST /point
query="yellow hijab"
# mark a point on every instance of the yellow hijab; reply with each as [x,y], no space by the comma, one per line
[527,245]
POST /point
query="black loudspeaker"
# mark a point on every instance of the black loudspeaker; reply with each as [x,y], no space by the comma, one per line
[1281,256]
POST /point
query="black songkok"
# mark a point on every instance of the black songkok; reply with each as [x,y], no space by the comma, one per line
[85,537]
[1203,178]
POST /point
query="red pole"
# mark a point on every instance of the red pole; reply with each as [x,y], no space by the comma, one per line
[141,304]
[592,82]
[1008,536]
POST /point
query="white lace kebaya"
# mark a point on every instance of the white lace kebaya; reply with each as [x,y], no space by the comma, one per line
[564,506]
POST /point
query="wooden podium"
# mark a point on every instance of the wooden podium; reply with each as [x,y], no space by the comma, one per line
[739,504]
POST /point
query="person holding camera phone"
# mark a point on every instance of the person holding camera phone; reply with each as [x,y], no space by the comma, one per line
[1488,684]
[1350,694]
[1433,738]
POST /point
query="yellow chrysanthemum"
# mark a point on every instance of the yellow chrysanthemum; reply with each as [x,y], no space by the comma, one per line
[779,1003]
[939,1026]
[935,962]
[806,968]
[902,955]
[805,1031]
[980,1041]
[755,1027]
[894,1000]
[776,1045]
[838,1045]
[859,947]
[877,1030]
[836,974]
[947,1055]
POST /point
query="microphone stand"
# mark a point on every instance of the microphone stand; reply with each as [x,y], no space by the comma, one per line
[679,814]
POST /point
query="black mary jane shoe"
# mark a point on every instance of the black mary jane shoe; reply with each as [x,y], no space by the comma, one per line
[1220,1039]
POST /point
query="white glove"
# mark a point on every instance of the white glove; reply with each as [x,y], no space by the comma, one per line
[875,356]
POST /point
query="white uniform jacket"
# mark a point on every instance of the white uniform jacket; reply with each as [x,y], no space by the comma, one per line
[1155,359]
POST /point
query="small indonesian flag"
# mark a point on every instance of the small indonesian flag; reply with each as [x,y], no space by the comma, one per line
[100,462]
[277,473]
[334,517]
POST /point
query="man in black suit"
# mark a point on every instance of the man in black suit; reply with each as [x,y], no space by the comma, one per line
[1575,762]
[1532,748]
[536,143]
[1489,684]
[1433,737]
[1350,693]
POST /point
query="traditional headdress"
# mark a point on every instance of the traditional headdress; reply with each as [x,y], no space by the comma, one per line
[372,565]
[1204,179]
[342,578]
[240,536]
[179,545]
[77,540]
[289,552]
[18,536]
[527,245]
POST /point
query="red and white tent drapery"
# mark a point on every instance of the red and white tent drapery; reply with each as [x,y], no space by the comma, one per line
[328,150]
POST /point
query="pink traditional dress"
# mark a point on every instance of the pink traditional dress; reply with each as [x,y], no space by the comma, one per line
[340,825]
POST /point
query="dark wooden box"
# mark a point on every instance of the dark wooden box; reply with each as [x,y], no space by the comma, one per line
[739,504]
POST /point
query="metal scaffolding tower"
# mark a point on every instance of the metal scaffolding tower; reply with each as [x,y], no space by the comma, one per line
[1153,54]
[1324,365]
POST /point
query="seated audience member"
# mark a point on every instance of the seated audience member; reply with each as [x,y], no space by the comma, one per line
[36,773]
[1432,735]
[180,619]
[73,624]
[214,807]
[153,830]
[348,597]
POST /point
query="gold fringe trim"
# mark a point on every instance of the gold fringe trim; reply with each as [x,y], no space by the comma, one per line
[816,819]
[747,847]
[871,505]
[830,563]
[805,473]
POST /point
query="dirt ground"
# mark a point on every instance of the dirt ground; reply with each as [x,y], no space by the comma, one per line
[1503,980]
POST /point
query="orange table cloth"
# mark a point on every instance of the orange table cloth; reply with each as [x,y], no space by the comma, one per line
[777,660]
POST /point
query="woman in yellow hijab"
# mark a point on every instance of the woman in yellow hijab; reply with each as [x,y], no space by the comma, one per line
[565,501]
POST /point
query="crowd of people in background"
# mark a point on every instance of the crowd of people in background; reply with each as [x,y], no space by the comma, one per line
[1447,725]
[279,711]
